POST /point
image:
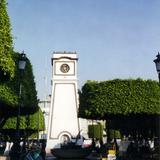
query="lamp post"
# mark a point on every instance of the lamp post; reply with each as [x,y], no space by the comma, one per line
[15,150]
[21,67]
[157,63]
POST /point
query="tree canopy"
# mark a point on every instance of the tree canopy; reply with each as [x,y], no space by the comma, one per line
[36,121]
[130,106]
[6,44]
[119,97]
[29,124]
[9,97]
[11,79]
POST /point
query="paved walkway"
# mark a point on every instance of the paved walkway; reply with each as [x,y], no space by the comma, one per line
[49,156]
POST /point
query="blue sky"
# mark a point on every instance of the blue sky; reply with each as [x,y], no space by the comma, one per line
[113,38]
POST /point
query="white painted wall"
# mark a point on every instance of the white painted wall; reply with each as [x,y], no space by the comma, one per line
[64,113]
[63,118]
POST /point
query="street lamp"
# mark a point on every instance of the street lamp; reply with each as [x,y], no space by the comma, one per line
[22,61]
[15,150]
[157,63]
[21,67]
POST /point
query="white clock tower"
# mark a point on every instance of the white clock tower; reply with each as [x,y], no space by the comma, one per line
[63,119]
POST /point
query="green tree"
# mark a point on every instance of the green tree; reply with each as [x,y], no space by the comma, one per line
[10,78]
[123,102]
[101,99]
[29,124]
[9,97]
[6,49]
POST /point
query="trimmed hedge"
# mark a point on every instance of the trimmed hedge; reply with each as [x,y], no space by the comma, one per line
[29,125]
[95,131]
[33,122]
[119,97]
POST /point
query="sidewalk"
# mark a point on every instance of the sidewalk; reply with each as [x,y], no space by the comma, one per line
[49,156]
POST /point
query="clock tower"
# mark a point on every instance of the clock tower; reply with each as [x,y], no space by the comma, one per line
[63,119]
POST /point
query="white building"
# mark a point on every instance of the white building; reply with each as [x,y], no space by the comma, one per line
[45,106]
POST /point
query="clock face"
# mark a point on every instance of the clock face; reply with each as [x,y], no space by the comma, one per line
[64,68]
